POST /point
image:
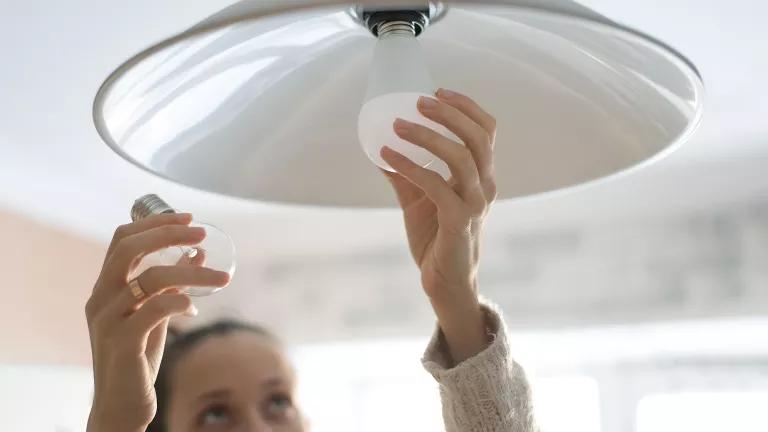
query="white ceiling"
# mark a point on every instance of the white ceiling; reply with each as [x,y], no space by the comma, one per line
[55,168]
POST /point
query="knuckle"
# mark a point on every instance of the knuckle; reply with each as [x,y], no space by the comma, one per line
[151,278]
[484,136]
[168,231]
[90,308]
[125,246]
[152,274]
[122,231]
[434,177]
[183,301]
[492,123]
[477,210]
[464,154]
[468,165]
[155,305]
[481,206]
[491,190]
[489,184]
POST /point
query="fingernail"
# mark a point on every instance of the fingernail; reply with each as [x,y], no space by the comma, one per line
[198,231]
[226,278]
[402,126]
[445,93]
[427,103]
[191,312]
[386,150]
[183,218]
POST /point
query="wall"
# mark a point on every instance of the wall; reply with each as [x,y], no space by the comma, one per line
[693,266]
[47,277]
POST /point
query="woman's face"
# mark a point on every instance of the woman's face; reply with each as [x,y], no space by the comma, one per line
[239,382]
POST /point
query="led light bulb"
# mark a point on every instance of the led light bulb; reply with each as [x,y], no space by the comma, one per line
[216,251]
[399,76]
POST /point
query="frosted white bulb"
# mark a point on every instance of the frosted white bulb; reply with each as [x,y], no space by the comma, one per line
[398,77]
[216,251]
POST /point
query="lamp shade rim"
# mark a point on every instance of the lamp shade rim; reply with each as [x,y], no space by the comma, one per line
[254,11]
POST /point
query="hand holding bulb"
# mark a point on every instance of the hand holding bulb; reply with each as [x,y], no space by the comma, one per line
[444,218]
[128,327]
[216,251]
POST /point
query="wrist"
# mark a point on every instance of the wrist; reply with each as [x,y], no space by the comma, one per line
[462,322]
[100,421]
[459,316]
[453,301]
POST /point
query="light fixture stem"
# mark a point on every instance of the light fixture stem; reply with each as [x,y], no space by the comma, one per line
[149,205]
[390,28]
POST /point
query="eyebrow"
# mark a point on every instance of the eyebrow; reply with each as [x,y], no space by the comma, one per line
[273,382]
[215,394]
[224,393]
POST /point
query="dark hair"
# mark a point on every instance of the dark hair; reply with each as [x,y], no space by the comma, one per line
[179,344]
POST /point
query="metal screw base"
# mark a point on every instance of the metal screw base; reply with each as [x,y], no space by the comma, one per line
[419,17]
[149,205]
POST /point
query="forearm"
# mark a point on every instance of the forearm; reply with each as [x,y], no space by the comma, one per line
[460,318]
[488,392]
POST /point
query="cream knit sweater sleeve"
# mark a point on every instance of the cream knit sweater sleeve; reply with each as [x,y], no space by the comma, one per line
[485,393]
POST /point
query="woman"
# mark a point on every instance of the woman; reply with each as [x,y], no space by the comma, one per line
[234,377]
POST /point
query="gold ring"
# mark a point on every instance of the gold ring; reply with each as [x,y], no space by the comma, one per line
[136,289]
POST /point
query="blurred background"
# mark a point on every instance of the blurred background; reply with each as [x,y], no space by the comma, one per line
[640,304]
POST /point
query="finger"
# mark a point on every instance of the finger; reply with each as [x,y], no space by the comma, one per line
[469,107]
[155,280]
[157,309]
[131,249]
[147,223]
[458,157]
[472,110]
[476,138]
[433,185]
[162,280]
[158,280]
[197,260]
[156,343]
[405,191]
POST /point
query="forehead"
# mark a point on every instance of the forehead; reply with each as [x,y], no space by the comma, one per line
[239,362]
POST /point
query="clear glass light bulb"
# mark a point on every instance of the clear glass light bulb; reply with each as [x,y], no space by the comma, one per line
[399,76]
[216,251]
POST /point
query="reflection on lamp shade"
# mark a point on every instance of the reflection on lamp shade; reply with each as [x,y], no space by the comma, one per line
[261,101]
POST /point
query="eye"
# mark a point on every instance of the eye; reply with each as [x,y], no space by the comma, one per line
[279,405]
[215,415]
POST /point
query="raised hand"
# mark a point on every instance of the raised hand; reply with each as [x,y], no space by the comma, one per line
[444,219]
[128,327]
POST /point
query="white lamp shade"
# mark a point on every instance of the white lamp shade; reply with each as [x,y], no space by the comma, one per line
[261,101]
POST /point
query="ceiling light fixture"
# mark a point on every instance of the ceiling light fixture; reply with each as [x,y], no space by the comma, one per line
[261,100]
